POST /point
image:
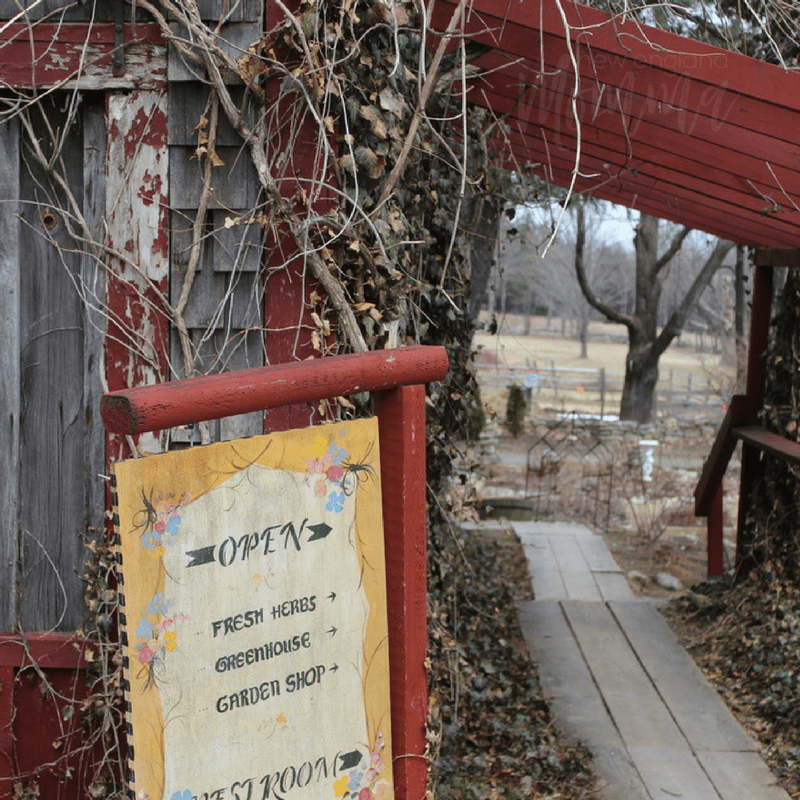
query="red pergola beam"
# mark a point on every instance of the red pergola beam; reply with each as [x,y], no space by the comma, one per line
[166,405]
[672,126]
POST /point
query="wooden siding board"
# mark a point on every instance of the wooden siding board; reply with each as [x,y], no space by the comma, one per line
[189,102]
[224,312]
[9,368]
[51,425]
[241,11]
[234,184]
[80,56]
[94,329]
[137,220]
[234,39]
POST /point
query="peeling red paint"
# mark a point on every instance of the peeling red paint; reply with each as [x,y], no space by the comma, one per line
[149,128]
[137,344]
[148,193]
[161,240]
[45,54]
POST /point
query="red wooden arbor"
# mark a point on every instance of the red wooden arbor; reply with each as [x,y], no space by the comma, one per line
[397,378]
[741,421]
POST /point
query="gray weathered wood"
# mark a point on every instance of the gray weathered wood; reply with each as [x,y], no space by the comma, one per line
[94,280]
[188,104]
[635,706]
[237,11]
[224,312]
[543,567]
[10,401]
[234,184]
[613,586]
[575,701]
[597,554]
[705,720]
[52,423]
[574,570]
[670,772]
[234,40]
[741,775]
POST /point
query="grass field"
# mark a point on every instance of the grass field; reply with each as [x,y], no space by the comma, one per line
[684,370]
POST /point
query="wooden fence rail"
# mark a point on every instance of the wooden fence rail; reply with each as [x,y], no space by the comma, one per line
[574,387]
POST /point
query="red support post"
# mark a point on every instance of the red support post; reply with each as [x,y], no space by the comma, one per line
[714,545]
[401,425]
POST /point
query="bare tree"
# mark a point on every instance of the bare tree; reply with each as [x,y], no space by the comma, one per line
[646,343]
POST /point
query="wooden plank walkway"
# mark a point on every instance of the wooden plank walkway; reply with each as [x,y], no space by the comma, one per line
[619,681]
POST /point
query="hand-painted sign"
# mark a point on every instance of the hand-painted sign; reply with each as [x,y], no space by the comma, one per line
[255,618]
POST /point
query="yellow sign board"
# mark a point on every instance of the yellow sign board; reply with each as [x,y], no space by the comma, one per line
[254,618]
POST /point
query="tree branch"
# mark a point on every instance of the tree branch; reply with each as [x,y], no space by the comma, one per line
[606,310]
[675,245]
[678,319]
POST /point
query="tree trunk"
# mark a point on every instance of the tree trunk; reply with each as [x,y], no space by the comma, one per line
[583,335]
[639,389]
[484,225]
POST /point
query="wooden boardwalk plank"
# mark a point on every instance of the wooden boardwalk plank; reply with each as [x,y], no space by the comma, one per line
[543,568]
[597,554]
[673,772]
[699,711]
[635,706]
[527,528]
[575,571]
[613,586]
[576,704]
[741,775]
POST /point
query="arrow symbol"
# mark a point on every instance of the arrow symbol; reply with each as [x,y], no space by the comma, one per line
[332,596]
[205,555]
[334,667]
[320,531]
[332,631]
[349,760]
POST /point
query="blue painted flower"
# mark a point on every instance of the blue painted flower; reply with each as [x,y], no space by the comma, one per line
[145,630]
[184,795]
[335,502]
[151,541]
[158,605]
[173,523]
[337,454]
[355,779]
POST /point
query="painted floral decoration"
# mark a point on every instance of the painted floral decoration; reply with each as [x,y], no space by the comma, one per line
[325,473]
[364,784]
[154,634]
[160,522]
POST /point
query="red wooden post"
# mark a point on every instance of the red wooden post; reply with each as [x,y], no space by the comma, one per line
[397,378]
[714,544]
[401,425]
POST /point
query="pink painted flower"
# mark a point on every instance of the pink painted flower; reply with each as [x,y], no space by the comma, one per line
[320,488]
[365,794]
[334,473]
[314,466]
[146,655]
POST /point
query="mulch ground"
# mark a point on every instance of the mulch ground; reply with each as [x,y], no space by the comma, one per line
[497,737]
